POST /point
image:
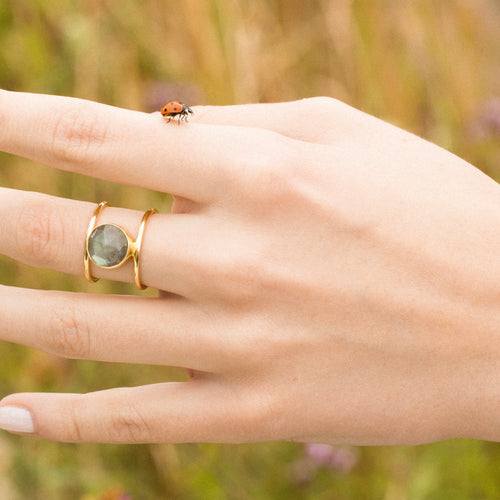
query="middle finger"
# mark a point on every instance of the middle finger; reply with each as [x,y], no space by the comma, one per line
[193,160]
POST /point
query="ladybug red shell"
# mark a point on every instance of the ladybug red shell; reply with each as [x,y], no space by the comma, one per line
[176,108]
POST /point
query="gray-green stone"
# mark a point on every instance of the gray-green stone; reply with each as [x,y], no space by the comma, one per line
[107,245]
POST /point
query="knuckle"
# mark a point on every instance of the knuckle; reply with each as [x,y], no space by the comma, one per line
[246,281]
[320,104]
[78,134]
[276,185]
[269,179]
[72,428]
[281,190]
[39,233]
[69,332]
[241,279]
[128,425]
[260,409]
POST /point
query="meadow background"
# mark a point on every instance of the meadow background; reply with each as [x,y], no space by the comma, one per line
[432,67]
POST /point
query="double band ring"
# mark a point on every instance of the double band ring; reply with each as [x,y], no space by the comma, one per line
[109,246]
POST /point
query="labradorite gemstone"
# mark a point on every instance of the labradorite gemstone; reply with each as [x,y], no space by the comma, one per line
[107,245]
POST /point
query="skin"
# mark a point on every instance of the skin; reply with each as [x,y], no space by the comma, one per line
[324,276]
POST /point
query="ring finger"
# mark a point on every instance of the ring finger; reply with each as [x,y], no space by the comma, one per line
[50,232]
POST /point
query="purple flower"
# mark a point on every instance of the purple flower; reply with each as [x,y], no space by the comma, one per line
[338,458]
[487,123]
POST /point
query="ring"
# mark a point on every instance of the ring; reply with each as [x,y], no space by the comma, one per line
[109,246]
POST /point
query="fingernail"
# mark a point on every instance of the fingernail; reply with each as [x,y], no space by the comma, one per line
[16,419]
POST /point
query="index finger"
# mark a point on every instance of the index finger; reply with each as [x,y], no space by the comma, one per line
[192,160]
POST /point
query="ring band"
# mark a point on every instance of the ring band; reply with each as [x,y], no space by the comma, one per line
[109,246]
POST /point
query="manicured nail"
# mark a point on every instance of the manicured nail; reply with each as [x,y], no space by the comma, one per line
[16,419]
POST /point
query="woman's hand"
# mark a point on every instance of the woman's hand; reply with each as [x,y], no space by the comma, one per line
[324,276]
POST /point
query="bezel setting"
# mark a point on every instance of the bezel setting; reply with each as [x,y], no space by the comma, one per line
[133,246]
[97,260]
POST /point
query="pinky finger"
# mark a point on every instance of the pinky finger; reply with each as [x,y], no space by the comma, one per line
[196,411]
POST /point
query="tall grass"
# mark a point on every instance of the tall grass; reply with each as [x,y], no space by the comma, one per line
[430,67]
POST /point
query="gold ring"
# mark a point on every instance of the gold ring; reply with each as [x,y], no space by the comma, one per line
[109,246]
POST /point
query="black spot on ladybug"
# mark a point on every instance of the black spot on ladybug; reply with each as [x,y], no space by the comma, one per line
[176,109]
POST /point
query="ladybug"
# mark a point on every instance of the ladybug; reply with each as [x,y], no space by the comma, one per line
[176,108]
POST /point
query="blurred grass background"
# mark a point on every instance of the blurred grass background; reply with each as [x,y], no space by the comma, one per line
[430,67]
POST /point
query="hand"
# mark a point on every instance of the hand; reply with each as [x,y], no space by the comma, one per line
[325,276]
